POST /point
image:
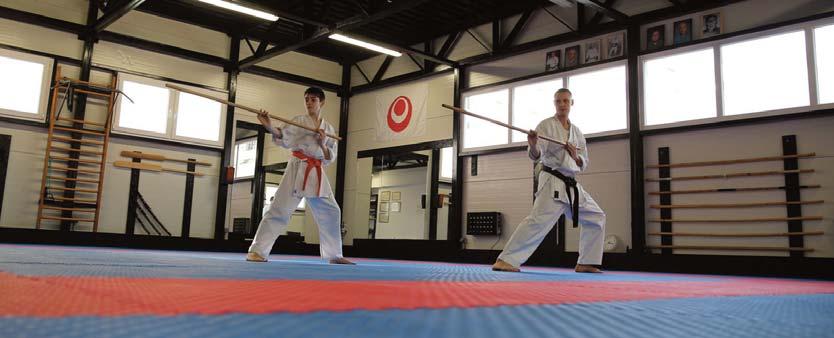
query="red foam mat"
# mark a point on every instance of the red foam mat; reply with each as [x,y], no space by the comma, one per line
[56,296]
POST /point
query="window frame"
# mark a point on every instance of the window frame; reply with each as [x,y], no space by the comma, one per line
[811,67]
[172,113]
[45,90]
[565,76]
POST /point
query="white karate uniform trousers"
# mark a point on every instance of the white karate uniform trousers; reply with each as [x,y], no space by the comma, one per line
[325,210]
[546,212]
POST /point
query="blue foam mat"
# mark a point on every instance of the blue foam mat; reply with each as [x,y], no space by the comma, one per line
[777,316]
[68,261]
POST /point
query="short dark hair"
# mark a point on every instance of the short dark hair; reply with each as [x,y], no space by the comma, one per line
[315,91]
[563,90]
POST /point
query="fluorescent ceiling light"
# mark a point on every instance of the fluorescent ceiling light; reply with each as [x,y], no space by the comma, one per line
[241,9]
[364,44]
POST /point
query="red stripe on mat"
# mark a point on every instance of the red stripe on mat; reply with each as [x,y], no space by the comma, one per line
[107,296]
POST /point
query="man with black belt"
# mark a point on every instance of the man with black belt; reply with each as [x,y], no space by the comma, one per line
[558,193]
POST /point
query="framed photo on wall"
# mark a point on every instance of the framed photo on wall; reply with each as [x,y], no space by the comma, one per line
[572,56]
[396,195]
[593,51]
[395,207]
[383,217]
[655,37]
[682,32]
[553,60]
[383,206]
[385,196]
[614,45]
[711,24]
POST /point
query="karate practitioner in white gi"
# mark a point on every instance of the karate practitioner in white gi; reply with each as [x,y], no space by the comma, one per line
[555,196]
[303,178]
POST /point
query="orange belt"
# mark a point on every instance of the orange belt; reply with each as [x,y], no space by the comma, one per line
[311,163]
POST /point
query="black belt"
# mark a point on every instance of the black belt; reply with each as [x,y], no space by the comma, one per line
[570,183]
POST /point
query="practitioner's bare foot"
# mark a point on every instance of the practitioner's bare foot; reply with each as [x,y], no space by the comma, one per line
[341,260]
[587,268]
[253,257]
[504,266]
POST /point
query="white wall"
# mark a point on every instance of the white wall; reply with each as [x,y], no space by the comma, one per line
[164,191]
[505,184]
[362,136]
[813,135]
[410,222]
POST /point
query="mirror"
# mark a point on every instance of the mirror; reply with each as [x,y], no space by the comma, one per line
[408,192]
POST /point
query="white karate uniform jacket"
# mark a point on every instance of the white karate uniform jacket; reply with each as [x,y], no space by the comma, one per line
[552,200]
[326,211]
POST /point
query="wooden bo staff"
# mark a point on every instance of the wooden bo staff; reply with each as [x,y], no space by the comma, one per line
[732,205]
[697,191]
[766,234]
[736,161]
[250,109]
[732,175]
[157,157]
[151,167]
[739,220]
[466,112]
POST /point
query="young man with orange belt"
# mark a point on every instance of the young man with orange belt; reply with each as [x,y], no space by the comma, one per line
[303,178]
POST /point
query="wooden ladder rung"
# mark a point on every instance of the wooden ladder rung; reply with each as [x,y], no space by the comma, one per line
[81,151]
[72,179]
[69,209]
[79,200]
[75,169]
[60,158]
[82,131]
[81,121]
[69,219]
[68,139]
[75,189]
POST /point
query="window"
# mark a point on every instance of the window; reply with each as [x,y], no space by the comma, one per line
[159,112]
[246,152]
[600,93]
[26,90]
[301,205]
[824,46]
[680,87]
[148,110]
[480,133]
[198,118]
[446,158]
[765,74]
[600,102]
[533,103]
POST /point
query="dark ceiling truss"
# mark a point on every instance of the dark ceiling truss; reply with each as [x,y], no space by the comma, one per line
[367,80]
[115,10]
[478,40]
[595,20]
[383,68]
[606,9]
[510,39]
[562,21]
[323,30]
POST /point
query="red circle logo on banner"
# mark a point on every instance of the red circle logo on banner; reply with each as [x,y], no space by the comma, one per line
[400,106]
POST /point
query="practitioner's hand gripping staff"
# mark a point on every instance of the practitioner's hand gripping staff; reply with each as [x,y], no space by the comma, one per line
[528,132]
[253,110]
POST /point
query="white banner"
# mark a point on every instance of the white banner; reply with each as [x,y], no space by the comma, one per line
[401,113]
